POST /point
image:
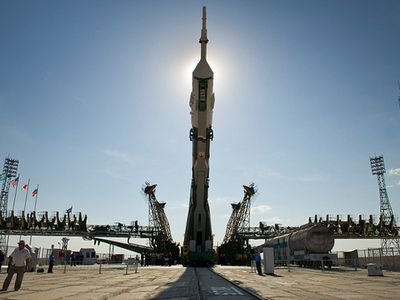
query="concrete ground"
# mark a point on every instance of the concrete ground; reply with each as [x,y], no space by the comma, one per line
[301,283]
[85,282]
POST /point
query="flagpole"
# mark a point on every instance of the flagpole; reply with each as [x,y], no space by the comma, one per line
[34,209]
[26,198]
[26,195]
[37,189]
[15,196]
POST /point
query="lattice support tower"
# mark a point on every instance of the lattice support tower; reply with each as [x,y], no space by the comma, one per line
[9,171]
[157,216]
[240,217]
[378,169]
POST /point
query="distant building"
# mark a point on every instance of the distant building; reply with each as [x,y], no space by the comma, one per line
[88,256]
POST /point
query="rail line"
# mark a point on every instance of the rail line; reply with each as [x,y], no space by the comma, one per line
[211,285]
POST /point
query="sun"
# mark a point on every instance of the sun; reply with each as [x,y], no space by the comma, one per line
[190,65]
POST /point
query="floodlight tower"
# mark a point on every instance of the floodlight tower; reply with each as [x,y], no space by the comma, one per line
[378,169]
[9,170]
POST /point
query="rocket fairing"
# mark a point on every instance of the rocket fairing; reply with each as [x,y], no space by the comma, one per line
[198,234]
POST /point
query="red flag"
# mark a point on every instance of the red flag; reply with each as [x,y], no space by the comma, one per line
[24,187]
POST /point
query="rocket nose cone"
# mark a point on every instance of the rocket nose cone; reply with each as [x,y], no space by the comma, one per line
[203,70]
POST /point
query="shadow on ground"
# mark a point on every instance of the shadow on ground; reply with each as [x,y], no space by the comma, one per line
[184,287]
[211,284]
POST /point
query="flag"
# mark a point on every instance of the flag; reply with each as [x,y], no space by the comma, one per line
[35,192]
[69,210]
[24,187]
[14,182]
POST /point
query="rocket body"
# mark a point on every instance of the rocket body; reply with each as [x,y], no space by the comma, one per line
[198,234]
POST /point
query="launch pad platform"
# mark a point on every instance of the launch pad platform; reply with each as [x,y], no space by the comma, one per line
[177,282]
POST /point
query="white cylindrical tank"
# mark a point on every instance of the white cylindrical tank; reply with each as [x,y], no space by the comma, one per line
[315,239]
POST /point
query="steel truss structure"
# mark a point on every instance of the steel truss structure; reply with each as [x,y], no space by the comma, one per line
[235,247]
[44,224]
[157,216]
[239,220]
[373,228]
[378,169]
[9,171]
[40,224]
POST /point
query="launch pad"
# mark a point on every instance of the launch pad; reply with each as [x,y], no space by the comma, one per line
[198,246]
[169,282]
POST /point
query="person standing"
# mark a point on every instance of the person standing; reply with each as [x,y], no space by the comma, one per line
[258,263]
[19,262]
[74,259]
[1,259]
[136,263]
[252,263]
[51,263]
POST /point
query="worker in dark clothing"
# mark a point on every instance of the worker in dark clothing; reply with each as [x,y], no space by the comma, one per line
[258,263]
[1,259]
[51,263]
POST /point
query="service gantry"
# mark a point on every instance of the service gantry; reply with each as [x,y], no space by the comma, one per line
[240,217]
[235,247]
[162,243]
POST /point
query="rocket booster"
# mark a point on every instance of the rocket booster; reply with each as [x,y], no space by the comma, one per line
[198,234]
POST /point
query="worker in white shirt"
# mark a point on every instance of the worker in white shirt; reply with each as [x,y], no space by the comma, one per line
[19,264]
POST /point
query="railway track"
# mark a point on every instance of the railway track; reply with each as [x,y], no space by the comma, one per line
[211,285]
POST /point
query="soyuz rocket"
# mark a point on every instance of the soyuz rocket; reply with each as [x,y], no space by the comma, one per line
[198,234]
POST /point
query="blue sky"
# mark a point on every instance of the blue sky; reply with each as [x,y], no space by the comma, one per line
[94,101]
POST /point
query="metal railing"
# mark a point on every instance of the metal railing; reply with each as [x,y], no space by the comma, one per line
[388,259]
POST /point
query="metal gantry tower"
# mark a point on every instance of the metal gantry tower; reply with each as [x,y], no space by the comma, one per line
[157,216]
[9,170]
[235,248]
[240,217]
[378,169]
